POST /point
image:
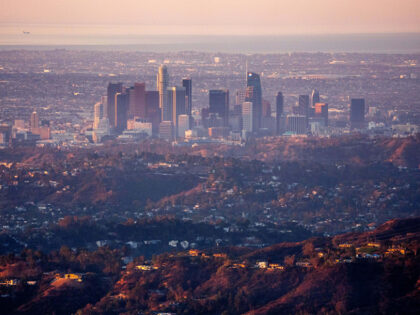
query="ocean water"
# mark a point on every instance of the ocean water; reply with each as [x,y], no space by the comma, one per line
[364,43]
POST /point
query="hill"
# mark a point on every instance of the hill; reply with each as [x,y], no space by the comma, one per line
[355,277]
[375,272]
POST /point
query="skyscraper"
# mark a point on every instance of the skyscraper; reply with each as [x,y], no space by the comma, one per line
[240,96]
[166,130]
[254,95]
[34,123]
[296,124]
[357,113]
[121,111]
[104,101]
[166,109]
[183,125]
[100,122]
[247,116]
[219,104]
[303,105]
[266,108]
[138,107]
[315,97]
[321,110]
[279,112]
[153,110]
[131,102]
[175,105]
[162,86]
[187,84]
[98,114]
[113,88]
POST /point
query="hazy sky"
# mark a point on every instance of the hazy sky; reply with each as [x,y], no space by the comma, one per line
[219,16]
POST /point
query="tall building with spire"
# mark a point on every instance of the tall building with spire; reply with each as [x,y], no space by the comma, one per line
[162,83]
[254,95]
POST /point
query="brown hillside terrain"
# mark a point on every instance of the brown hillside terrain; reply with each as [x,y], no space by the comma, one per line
[317,276]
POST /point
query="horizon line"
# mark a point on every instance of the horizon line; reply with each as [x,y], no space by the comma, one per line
[187,30]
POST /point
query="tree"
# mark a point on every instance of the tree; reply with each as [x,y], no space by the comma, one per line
[289,260]
[308,249]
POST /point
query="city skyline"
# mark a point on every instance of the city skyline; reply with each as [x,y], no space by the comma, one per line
[192,157]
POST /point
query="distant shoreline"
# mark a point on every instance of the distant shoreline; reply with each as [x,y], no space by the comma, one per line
[404,43]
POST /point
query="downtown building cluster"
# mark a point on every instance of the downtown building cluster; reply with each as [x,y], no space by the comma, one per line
[137,112]
[134,113]
[167,112]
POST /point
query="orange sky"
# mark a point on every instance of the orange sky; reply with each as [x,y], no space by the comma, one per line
[220,16]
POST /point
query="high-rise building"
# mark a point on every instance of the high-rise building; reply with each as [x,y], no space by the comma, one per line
[297,124]
[254,95]
[162,87]
[303,105]
[166,130]
[266,108]
[175,105]
[138,101]
[187,84]
[315,97]
[113,88]
[100,121]
[321,111]
[153,110]
[131,102]
[98,114]
[240,96]
[267,122]
[43,129]
[247,116]
[34,123]
[101,131]
[183,125]
[357,113]
[121,111]
[279,112]
[219,104]
[104,100]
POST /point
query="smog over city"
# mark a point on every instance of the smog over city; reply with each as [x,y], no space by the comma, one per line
[209,157]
